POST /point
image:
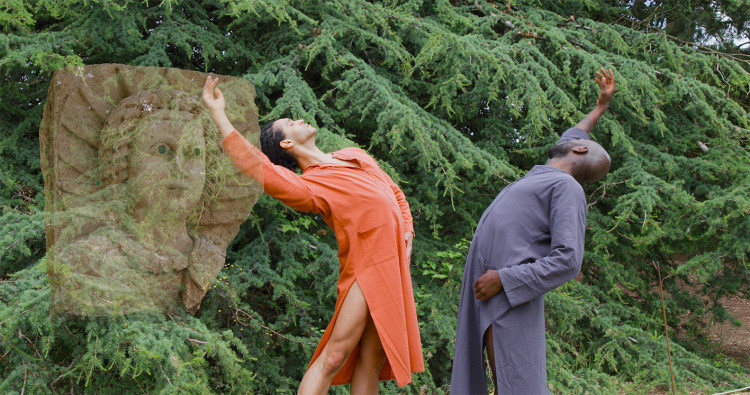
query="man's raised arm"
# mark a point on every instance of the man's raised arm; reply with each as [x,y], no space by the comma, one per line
[606,83]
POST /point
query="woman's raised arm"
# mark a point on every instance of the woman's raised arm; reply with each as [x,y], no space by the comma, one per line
[278,181]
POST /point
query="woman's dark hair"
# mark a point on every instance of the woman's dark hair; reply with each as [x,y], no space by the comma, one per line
[269,144]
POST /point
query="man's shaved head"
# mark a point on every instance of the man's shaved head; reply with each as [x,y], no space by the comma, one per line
[585,160]
[597,162]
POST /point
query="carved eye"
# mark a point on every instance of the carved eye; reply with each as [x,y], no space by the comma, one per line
[197,152]
[162,149]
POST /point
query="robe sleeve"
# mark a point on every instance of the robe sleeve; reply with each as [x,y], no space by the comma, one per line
[525,282]
[573,133]
[402,204]
[278,181]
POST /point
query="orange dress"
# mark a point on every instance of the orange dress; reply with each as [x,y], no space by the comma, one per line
[369,215]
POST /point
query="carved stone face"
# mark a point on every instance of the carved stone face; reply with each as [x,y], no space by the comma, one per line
[141,200]
[166,167]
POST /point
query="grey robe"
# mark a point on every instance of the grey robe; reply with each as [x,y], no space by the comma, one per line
[532,234]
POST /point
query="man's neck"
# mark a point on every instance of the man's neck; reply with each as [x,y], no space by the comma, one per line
[564,165]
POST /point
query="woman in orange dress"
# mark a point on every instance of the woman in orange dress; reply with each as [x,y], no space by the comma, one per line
[373,334]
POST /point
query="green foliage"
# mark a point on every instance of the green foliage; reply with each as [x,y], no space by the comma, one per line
[441,265]
[722,23]
[123,354]
[456,99]
[22,240]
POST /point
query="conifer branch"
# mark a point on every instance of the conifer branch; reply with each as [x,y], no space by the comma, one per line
[267,328]
[36,352]
[67,372]
[23,387]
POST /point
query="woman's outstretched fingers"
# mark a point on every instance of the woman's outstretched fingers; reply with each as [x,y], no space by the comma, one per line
[212,95]
[208,95]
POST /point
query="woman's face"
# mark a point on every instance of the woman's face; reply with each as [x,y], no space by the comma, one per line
[297,131]
[167,167]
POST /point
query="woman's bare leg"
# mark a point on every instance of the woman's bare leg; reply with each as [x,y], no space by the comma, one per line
[371,360]
[347,332]
[489,344]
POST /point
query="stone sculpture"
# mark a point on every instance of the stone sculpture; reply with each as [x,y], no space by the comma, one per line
[140,202]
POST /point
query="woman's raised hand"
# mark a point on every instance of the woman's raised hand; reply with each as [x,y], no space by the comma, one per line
[214,100]
[212,95]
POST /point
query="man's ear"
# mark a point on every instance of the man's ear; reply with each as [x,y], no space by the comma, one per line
[581,149]
[286,143]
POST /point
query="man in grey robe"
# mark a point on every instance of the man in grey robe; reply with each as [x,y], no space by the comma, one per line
[528,242]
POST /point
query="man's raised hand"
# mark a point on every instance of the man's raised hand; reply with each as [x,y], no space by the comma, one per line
[606,83]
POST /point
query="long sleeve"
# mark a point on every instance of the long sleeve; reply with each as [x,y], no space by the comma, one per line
[525,282]
[402,204]
[278,181]
[573,133]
